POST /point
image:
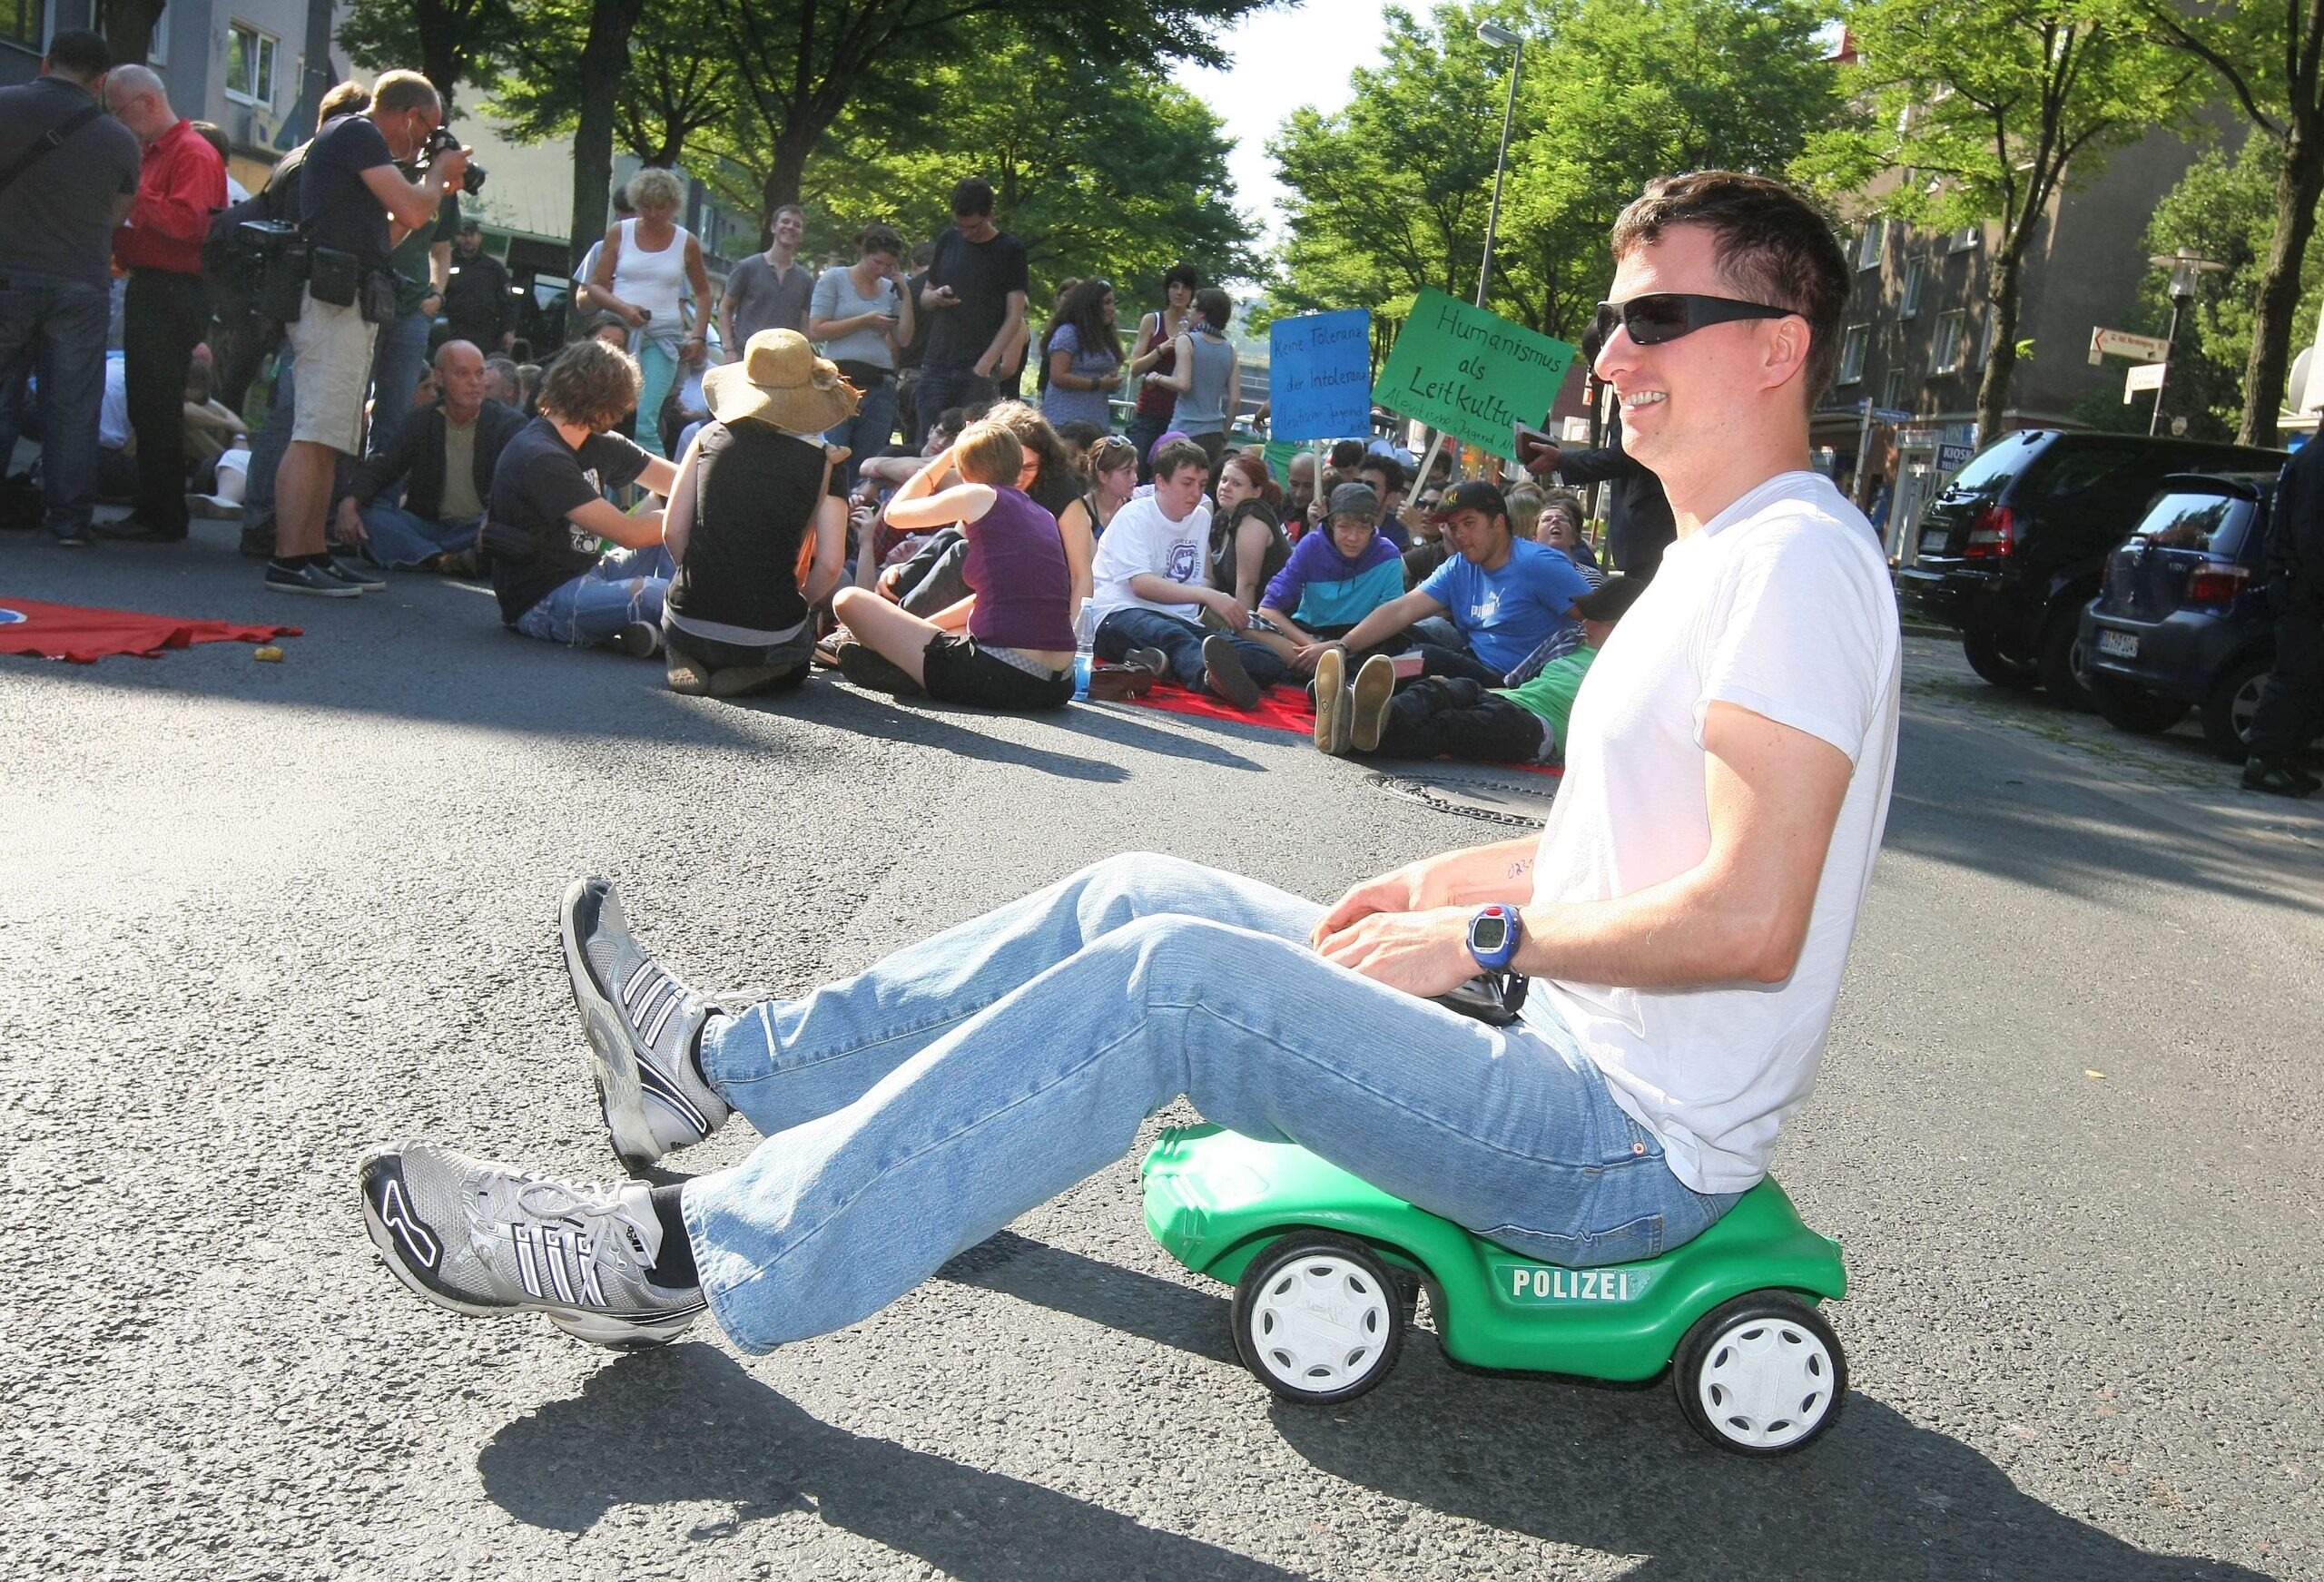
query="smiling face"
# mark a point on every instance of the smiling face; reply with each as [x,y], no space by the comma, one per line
[1687,402]
[789,227]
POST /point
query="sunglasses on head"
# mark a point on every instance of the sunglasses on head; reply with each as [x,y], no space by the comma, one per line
[1660,316]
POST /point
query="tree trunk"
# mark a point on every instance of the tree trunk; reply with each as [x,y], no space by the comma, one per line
[439,54]
[2298,187]
[605,56]
[784,177]
[2000,362]
[129,29]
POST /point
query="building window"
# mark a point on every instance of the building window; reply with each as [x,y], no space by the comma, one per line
[1852,353]
[1947,356]
[1892,390]
[1867,254]
[1908,303]
[20,23]
[1966,239]
[1986,342]
[250,65]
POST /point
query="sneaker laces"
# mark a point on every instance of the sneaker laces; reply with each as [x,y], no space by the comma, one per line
[566,1233]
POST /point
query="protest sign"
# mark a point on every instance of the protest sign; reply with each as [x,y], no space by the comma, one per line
[1470,373]
[1319,375]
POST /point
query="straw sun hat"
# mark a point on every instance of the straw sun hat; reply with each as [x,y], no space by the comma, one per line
[780,381]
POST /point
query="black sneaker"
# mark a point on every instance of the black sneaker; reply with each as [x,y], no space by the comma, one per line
[1222,667]
[867,667]
[257,537]
[637,640]
[362,578]
[74,536]
[311,580]
[2278,779]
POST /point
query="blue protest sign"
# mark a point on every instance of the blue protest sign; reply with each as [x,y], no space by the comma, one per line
[1319,378]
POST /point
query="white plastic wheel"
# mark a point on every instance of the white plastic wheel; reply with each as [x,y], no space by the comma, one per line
[1318,1319]
[1762,1376]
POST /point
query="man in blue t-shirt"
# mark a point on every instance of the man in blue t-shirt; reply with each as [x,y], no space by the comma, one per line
[1505,595]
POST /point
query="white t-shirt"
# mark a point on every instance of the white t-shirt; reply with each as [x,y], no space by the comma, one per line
[1140,538]
[1782,605]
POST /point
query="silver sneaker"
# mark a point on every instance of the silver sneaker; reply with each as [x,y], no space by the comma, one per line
[485,1238]
[643,1025]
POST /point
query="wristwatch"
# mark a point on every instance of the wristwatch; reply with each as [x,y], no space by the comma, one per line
[1495,932]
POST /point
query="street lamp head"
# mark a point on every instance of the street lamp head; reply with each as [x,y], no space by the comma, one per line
[2187,271]
[1494,33]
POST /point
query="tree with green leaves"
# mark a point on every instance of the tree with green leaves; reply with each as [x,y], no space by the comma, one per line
[1989,109]
[448,42]
[2269,56]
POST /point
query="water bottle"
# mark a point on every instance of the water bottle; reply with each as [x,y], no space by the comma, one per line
[1085,644]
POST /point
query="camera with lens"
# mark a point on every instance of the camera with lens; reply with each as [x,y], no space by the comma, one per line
[439,141]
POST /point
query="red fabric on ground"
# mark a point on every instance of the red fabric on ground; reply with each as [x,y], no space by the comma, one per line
[84,637]
[1281,708]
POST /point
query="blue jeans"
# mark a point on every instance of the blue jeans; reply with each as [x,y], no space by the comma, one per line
[624,585]
[868,432]
[398,355]
[914,1110]
[657,366]
[55,328]
[1181,640]
[273,439]
[402,540]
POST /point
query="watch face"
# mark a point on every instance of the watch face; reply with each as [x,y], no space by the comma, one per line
[1489,935]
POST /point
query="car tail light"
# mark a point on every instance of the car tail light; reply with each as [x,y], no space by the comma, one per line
[1991,534]
[2215,582]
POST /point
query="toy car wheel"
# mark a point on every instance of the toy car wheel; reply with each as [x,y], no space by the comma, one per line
[1318,1317]
[1762,1375]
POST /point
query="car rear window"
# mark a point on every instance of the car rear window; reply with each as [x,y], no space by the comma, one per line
[2071,467]
[1990,471]
[2213,523]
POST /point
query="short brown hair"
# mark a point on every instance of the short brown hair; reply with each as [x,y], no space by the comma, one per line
[1176,456]
[592,383]
[987,452]
[344,99]
[879,237]
[402,90]
[1773,245]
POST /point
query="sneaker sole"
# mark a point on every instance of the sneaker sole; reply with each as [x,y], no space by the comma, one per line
[1375,684]
[599,1328]
[338,593]
[1223,666]
[621,1098]
[1331,704]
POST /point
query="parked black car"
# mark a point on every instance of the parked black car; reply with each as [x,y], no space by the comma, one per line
[2182,621]
[2016,544]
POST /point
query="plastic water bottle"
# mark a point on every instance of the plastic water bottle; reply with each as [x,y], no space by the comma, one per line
[1085,645]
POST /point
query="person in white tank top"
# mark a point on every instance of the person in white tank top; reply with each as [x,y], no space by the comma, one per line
[643,269]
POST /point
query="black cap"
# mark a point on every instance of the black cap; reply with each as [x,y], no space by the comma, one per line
[1356,502]
[1611,600]
[472,223]
[1472,494]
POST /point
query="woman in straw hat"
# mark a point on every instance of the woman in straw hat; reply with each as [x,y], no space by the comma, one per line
[1018,651]
[757,521]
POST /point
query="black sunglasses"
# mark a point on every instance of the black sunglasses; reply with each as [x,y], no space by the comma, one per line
[1660,316]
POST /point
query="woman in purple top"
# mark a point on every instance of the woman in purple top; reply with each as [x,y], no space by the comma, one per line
[1017,652]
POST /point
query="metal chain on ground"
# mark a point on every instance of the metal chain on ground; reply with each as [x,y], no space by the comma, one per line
[1434,797]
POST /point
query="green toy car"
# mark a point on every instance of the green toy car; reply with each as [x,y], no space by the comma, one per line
[1327,1268]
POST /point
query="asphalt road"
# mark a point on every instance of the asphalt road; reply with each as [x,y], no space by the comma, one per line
[257,916]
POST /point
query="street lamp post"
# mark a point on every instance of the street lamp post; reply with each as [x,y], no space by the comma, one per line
[1494,33]
[2187,271]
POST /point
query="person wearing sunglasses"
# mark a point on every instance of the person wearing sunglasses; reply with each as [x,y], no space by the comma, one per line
[1639,525]
[1684,920]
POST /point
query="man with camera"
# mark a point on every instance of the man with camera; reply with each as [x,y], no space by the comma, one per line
[355,206]
[165,312]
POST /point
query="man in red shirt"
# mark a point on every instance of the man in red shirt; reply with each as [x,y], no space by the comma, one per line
[166,312]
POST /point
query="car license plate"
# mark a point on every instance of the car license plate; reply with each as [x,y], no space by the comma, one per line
[2119,644]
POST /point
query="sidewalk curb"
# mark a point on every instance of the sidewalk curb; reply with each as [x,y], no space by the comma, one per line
[1919,629]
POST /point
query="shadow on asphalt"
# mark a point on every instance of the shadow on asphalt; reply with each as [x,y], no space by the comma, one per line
[1614,1468]
[870,714]
[732,1440]
[2036,826]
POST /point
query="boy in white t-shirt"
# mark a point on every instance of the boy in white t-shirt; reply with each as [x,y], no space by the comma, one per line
[1685,919]
[1150,577]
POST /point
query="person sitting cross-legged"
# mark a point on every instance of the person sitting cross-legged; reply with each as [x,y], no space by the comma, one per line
[1334,578]
[1017,652]
[548,510]
[1151,563]
[1505,595]
[757,522]
[1450,717]
[444,459]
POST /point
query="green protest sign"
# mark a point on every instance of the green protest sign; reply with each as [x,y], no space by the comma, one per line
[1470,373]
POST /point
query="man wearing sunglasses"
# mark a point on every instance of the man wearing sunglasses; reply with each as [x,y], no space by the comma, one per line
[1684,920]
[1639,525]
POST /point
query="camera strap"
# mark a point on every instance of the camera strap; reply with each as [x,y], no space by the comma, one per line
[47,143]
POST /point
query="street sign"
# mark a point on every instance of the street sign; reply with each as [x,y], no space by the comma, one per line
[1887,414]
[2122,343]
[1470,373]
[2147,376]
